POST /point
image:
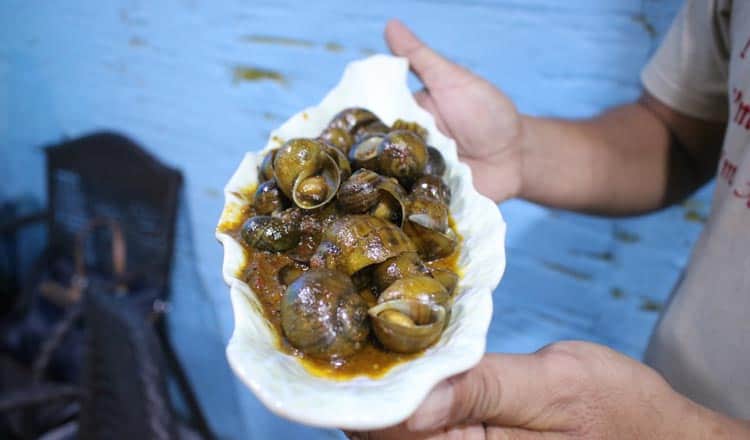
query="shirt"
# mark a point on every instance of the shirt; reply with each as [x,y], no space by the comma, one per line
[702,342]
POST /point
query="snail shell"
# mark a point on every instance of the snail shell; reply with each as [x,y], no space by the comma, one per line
[429,212]
[364,154]
[422,288]
[407,325]
[403,155]
[306,172]
[431,243]
[435,162]
[447,278]
[359,193]
[427,226]
[414,127]
[345,168]
[323,316]
[353,242]
[268,233]
[374,128]
[265,170]
[268,198]
[431,186]
[337,137]
[368,192]
[405,265]
[411,314]
[353,119]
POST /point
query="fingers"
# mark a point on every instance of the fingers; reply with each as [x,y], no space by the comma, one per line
[505,390]
[461,432]
[426,101]
[434,70]
[401,432]
[497,433]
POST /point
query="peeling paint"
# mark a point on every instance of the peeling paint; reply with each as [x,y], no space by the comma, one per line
[616,293]
[212,192]
[692,215]
[251,74]
[625,236]
[268,116]
[606,256]
[649,305]
[641,19]
[696,204]
[276,40]
[565,270]
[126,18]
[334,47]
[137,42]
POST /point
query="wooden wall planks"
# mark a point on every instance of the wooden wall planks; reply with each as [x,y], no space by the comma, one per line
[164,74]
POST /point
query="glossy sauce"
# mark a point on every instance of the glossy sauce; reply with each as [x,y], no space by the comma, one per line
[261,274]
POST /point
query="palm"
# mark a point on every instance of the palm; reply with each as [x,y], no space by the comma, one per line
[482,120]
[400,432]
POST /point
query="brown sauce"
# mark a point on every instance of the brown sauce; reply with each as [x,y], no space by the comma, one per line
[260,272]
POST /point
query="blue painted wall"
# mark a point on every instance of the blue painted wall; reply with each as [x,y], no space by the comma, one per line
[163,73]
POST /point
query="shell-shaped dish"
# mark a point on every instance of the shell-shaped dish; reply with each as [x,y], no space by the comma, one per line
[377,83]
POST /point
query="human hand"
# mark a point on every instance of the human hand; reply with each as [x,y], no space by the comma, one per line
[479,117]
[566,390]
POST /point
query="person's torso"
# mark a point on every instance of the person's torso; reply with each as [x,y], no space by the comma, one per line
[702,343]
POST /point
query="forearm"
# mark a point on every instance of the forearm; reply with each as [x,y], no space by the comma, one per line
[698,422]
[626,161]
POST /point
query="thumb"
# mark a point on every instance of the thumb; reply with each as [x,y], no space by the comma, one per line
[434,70]
[504,390]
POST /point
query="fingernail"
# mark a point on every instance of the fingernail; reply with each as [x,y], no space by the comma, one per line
[434,411]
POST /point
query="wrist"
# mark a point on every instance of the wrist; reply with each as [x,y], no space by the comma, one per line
[525,144]
[698,422]
[711,424]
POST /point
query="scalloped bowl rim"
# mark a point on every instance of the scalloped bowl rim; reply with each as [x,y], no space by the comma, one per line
[277,379]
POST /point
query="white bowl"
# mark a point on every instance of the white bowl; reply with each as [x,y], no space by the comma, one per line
[377,83]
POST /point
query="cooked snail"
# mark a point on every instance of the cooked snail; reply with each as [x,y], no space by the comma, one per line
[418,287]
[368,192]
[337,137]
[376,128]
[408,326]
[268,233]
[447,278]
[268,198]
[400,124]
[357,241]
[349,251]
[360,192]
[401,266]
[323,316]
[435,162]
[265,170]
[364,154]
[306,172]
[345,168]
[403,155]
[427,226]
[289,273]
[431,186]
[356,120]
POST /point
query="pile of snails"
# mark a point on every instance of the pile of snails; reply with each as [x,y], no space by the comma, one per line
[359,210]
